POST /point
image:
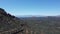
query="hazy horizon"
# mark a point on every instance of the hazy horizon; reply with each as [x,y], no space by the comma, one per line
[36,16]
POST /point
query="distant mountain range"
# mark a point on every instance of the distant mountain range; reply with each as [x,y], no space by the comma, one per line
[26,16]
[30,16]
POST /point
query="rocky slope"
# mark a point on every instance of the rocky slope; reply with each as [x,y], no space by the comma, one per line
[9,24]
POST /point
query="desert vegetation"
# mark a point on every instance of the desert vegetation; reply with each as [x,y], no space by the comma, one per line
[43,25]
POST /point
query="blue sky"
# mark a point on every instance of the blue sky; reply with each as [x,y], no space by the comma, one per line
[31,7]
